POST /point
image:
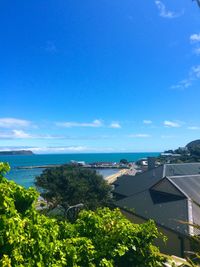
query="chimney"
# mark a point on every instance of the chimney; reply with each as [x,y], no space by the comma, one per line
[151,163]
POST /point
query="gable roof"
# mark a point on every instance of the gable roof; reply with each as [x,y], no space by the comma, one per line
[162,209]
[164,194]
[181,169]
[189,184]
[128,185]
[165,186]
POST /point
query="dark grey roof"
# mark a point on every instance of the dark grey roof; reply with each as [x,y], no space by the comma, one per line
[165,210]
[190,185]
[181,169]
[163,194]
[167,187]
[128,185]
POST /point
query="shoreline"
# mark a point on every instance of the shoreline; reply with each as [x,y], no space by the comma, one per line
[113,177]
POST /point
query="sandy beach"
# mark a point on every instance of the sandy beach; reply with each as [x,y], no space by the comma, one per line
[112,178]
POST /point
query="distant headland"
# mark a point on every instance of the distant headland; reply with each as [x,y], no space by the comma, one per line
[16,152]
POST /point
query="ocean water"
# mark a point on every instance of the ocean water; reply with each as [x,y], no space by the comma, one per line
[26,177]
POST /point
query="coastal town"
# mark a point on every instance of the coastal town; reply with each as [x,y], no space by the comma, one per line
[100,133]
[151,188]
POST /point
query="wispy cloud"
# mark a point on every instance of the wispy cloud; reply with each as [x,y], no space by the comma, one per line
[194,128]
[171,124]
[195,41]
[20,134]
[65,149]
[184,84]
[13,123]
[139,135]
[115,125]
[61,149]
[163,12]
[95,123]
[147,121]
[195,37]
[195,72]
[14,134]
[193,75]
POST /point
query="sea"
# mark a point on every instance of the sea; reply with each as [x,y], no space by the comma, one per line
[26,177]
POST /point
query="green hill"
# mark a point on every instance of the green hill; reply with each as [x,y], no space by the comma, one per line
[193,145]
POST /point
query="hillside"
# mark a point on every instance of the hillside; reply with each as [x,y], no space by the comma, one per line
[189,153]
[193,145]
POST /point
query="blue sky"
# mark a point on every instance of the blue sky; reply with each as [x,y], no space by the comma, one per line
[99,76]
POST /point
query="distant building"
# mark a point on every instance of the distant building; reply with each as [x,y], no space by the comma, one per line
[167,194]
[77,163]
[142,162]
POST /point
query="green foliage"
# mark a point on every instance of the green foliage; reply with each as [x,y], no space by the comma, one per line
[124,161]
[117,239]
[98,239]
[69,185]
[4,168]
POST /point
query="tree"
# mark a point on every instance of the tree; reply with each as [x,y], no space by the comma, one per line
[102,238]
[124,161]
[70,185]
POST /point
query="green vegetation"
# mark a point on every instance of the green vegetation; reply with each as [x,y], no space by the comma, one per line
[69,185]
[124,161]
[194,150]
[189,153]
[100,238]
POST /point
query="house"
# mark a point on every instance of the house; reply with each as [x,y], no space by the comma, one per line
[167,194]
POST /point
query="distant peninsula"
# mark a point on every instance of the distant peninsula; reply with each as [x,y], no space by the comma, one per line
[16,152]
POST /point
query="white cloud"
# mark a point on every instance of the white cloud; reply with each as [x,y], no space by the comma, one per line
[95,123]
[64,149]
[147,121]
[59,149]
[20,134]
[184,84]
[115,125]
[139,135]
[163,12]
[193,75]
[195,40]
[195,37]
[15,134]
[193,128]
[171,124]
[13,123]
[196,71]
